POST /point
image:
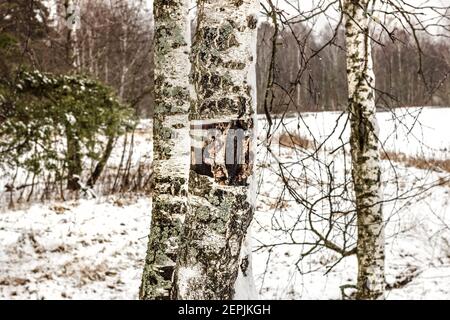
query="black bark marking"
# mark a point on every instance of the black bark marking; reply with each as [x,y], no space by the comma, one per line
[245,262]
[252,21]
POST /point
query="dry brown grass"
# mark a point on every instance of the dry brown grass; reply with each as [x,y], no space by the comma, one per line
[293,141]
[417,162]
[13,281]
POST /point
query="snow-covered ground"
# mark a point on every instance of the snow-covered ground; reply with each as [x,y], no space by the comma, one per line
[95,248]
[74,250]
[413,131]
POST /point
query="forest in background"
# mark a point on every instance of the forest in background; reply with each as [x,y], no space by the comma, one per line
[310,69]
[114,44]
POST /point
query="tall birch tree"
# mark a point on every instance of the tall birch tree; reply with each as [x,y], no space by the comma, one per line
[170,145]
[223,118]
[70,25]
[365,151]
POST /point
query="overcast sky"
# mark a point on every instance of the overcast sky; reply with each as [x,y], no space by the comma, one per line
[291,8]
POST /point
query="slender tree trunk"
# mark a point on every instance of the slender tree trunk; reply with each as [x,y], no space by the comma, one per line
[74,166]
[123,74]
[171,145]
[73,158]
[96,174]
[71,21]
[90,43]
[223,114]
[364,142]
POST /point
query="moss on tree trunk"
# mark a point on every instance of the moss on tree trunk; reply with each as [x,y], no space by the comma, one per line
[221,196]
[170,145]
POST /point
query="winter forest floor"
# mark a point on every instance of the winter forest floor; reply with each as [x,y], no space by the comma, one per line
[95,248]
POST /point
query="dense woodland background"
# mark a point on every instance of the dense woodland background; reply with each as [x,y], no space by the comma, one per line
[114,45]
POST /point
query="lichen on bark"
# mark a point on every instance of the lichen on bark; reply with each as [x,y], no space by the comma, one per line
[366,170]
[221,200]
[170,145]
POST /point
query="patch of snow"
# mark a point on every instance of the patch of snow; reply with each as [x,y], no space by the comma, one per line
[74,250]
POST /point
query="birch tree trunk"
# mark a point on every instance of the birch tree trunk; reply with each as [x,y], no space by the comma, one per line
[124,71]
[72,21]
[244,286]
[223,119]
[171,145]
[74,158]
[365,152]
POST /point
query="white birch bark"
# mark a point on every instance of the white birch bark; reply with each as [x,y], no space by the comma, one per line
[223,114]
[124,70]
[72,21]
[171,145]
[244,287]
[365,151]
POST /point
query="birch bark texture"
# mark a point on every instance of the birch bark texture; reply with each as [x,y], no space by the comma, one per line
[70,24]
[171,146]
[223,118]
[365,151]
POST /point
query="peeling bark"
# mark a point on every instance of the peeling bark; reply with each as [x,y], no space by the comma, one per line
[223,113]
[365,152]
[171,145]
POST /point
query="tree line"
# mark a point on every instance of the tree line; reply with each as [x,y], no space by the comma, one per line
[114,43]
[309,69]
